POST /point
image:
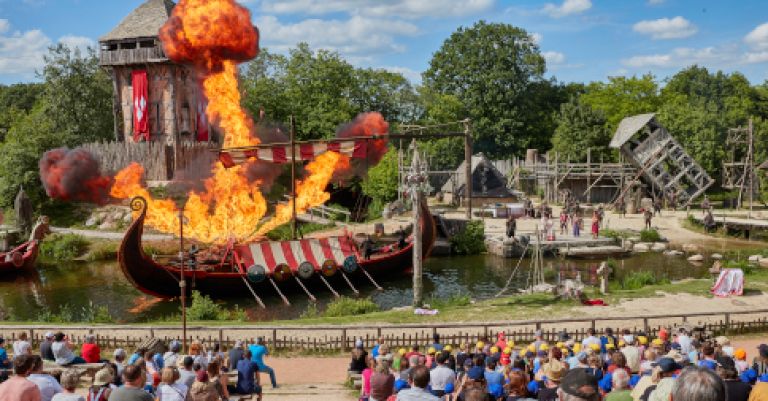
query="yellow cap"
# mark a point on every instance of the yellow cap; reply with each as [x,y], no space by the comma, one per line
[543,347]
[622,343]
[511,344]
[447,348]
[610,346]
[507,350]
[577,348]
[401,351]
[564,350]
[642,339]
[594,347]
[560,344]
[431,350]
[657,342]
[494,349]
[532,348]
[480,345]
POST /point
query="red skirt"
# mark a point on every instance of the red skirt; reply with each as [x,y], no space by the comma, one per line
[595,227]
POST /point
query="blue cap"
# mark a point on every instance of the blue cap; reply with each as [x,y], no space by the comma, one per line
[476,373]
[496,390]
[667,365]
[709,364]
[400,384]
[533,387]
[748,376]
[449,388]
[158,360]
[676,346]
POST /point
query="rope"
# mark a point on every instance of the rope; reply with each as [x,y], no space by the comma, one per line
[511,276]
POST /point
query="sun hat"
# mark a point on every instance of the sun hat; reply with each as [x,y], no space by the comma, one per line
[622,343]
[359,343]
[560,344]
[102,377]
[577,347]
[580,383]
[510,344]
[507,350]
[531,348]
[629,338]
[553,371]
[676,356]
[723,340]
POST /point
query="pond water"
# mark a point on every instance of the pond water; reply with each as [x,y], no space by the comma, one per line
[78,286]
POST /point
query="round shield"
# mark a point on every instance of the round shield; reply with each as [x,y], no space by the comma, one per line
[350,264]
[305,270]
[282,272]
[329,268]
[17,259]
[256,274]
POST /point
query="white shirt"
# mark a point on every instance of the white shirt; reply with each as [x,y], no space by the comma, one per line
[685,344]
[47,384]
[175,392]
[440,376]
[21,347]
[590,340]
[170,358]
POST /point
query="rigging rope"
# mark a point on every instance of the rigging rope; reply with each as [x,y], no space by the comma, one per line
[511,276]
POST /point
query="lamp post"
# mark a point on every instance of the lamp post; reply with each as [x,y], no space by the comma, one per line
[416,184]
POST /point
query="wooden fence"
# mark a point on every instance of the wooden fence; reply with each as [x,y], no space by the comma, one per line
[160,161]
[331,337]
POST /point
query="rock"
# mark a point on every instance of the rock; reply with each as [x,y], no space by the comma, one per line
[763,262]
[673,252]
[690,248]
[755,258]
[634,240]
[127,219]
[716,256]
[641,247]
[109,223]
[92,221]
[658,247]
[696,258]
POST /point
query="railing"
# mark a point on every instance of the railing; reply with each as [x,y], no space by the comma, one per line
[332,337]
[131,56]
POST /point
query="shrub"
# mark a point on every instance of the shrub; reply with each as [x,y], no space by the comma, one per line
[637,280]
[62,247]
[67,313]
[744,265]
[471,240]
[650,236]
[203,308]
[337,216]
[614,234]
[345,306]
[454,300]
[102,251]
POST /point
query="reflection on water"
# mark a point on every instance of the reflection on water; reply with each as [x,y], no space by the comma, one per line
[102,283]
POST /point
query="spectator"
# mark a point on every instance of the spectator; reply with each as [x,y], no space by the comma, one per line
[186,374]
[133,388]
[90,351]
[359,360]
[46,383]
[119,361]
[382,382]
[620,386]
[22,346]
[375,349]
[171,358]
[197,352]
[667,368]
[442,375]
[138,354]
[686,345]
[62,351]
[101,387]
[553,373]
[734,387]
[759,392]
[170,389]
[698,384]
[591,339]
[258,351]
[493,378]
[619,361]
[365,389]
[631,356]
[202,389]
[4,362]
[578,385]
[219,381]
[516,386]
[248,380]
[69,380]
[235,355]
[418,380]
[18,387]
[760,363]
[45,347]
[740,357]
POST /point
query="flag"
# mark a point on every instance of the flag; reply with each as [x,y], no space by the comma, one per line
[140,106]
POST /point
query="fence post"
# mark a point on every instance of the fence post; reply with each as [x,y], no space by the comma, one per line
[221,337]
[343,340]
[646,327]
[434,332]
[594,324]
[274,338]
[378,333]
[727,322]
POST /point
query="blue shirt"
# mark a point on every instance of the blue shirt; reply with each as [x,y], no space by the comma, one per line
[245,376]
[494,378]
[257,354]
[3,356]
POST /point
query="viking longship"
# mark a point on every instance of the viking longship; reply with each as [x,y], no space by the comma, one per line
[312,263]
[21,258]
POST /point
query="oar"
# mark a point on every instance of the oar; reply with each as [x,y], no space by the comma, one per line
[253,292]
[349,282]
[327,284]
[311,297]
[285,300]
[378,287]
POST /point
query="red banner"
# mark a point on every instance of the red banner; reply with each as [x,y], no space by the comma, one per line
[140,106]
[202,120]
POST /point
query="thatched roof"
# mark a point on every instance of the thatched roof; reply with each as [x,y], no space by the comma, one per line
[629,127]
[764,166]
[143,22]
[483,170]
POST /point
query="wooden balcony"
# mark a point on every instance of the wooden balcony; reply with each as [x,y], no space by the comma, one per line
[139,55]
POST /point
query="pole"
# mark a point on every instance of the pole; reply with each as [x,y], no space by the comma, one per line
[293,178]
[468,168]
[750,160]
[182,282]
[418,286]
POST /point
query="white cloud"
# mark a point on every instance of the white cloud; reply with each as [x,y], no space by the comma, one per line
[354,38]
[666,28]
[758,37]
[78,42]
[755,57]
[411,75]
[536,38]
[567,8]
[553,57]
[679,57]
[21,52]
[378,8]
[4,25]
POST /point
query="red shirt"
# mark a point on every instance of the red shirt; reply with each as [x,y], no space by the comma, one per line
[91,353]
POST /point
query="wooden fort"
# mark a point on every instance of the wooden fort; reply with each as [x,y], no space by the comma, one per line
[661,161]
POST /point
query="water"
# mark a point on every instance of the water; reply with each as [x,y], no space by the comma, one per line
[79,285]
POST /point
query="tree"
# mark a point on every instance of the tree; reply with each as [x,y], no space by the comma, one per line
[489,68]
[580,127]
[622,97]
[381,182]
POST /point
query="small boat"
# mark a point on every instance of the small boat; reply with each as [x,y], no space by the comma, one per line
[20,259]
[261,267]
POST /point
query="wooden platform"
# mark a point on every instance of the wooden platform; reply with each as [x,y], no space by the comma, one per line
[508,248]
[736,224]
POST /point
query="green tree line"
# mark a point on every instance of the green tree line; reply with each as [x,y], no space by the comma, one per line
[492,73]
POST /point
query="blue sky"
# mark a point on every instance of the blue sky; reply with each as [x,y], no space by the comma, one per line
[582,40]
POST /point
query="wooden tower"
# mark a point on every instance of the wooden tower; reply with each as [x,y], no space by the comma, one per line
[168,106]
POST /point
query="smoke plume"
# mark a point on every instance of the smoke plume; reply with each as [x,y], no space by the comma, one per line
[364,125]
[74,175]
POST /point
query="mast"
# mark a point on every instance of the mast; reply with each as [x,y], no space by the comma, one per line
[293,178]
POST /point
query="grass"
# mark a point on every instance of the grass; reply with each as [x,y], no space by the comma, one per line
[616,234]
[650,235]
[63,247]
[102,250]
[345,306]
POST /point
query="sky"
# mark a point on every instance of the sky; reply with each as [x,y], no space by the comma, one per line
[582,40]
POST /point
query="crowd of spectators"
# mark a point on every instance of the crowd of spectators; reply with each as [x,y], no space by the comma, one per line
[607,366]
[199,375]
